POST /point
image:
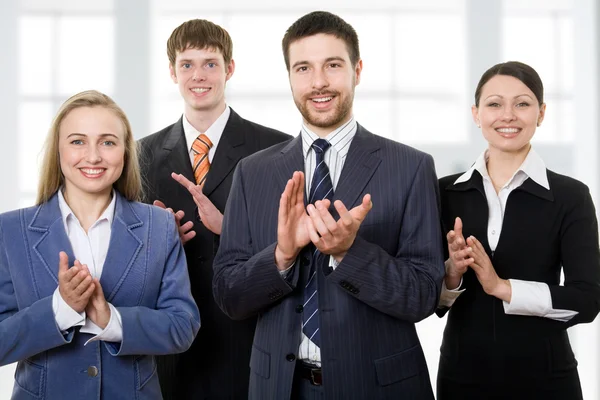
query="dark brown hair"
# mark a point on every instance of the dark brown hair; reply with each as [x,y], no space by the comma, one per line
[321,22]
[516,69]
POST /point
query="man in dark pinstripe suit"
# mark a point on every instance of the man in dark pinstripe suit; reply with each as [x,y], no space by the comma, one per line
[337,284]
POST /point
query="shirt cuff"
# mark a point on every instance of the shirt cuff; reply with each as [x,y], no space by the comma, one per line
[113,331]
[333,262]
[284,274]
[64,315]
[534,299]
[449,296]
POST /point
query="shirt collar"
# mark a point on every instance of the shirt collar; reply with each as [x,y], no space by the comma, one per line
[67,213]
[533,167]
[339,138]
[214,132]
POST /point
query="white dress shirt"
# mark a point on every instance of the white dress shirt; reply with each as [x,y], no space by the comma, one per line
[528,297]
[335,157]
[214,133]
[90,249]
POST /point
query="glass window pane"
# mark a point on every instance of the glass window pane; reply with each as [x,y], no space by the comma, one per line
[35,118]
[85,54]
[533,40]
[26,200]
[565,41]
[36,55]
[257,52]
[537,6]
[7,377]
[189,8]
[164,113]
[67,5]
[558,122]
[375,115]
[280,113]
[430,53]
[415,125]
[375,35]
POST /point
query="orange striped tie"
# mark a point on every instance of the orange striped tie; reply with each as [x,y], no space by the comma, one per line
[200,147]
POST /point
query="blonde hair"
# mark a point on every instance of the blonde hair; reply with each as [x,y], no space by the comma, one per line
[129,183]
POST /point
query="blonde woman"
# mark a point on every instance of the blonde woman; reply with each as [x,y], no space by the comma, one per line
[92,283]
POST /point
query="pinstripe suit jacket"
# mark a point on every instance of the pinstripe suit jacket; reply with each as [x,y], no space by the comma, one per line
[389,279]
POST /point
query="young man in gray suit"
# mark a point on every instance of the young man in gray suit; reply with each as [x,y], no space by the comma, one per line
[188,166]
[353,257]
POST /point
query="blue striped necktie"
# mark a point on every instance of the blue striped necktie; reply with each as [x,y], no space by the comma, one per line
[321,188]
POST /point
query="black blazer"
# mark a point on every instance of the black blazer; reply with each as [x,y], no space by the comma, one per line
[389,279]
[543,232]
[216,366]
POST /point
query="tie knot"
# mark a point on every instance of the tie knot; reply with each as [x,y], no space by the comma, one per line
[202,144]
[321,145]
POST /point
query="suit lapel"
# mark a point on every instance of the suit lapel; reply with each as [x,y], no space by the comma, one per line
[48,228]
[176,151]
[360,165]
[475,182]
[230,149]
[475,204]
[175,157]
[123,247]
[289,160]
[530,186]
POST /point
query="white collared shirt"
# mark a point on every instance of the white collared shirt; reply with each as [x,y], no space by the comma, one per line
[335,157]
[90,249]
[528,297]
[214,133]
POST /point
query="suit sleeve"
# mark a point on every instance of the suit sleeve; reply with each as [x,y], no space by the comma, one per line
[172,326]
[244,283]
[145,157]
[443,306]
[28,331]
[405,285]
[580,261]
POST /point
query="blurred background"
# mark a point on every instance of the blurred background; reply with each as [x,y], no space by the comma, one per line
[422,60]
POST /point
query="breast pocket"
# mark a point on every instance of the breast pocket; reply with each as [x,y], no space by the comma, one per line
[30,377]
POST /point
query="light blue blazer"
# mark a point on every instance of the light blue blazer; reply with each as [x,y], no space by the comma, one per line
[145,277]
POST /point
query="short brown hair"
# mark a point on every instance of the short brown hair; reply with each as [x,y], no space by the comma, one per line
[321,22]
[199,34]
[129,183]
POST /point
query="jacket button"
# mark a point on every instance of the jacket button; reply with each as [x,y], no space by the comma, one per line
[290,357]
[92,371]
[304,262]
[299,308]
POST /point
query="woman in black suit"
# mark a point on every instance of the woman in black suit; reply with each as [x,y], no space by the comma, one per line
[513,226]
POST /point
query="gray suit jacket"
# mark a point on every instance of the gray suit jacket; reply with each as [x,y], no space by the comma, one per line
[390,278]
